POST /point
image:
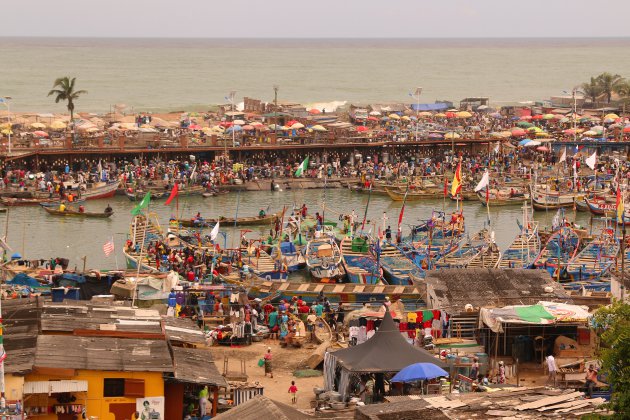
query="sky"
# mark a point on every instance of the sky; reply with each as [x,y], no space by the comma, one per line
[316,18]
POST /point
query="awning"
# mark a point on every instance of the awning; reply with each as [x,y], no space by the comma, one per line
[438,106]
[543,313]
[49,387]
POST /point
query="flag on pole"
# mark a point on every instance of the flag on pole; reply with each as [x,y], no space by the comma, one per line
[142,204]
[214,232]
[457,180]
[174,193]
[563,157]
[575,173]
[108,248]
[620,206]
[302,168]
[591,161]
[445,187]
[485,181]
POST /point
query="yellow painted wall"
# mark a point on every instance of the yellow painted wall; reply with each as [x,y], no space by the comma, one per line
[13,387]
[97,405]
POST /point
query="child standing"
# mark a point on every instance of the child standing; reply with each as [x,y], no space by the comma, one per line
[293,391]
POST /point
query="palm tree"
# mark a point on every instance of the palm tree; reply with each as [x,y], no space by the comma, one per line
[609,82]
[592,89]
[65,92]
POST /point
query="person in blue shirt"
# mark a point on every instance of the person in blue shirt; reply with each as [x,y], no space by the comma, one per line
[319,310]
[273,322]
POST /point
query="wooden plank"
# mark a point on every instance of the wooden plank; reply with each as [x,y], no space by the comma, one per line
[359,289]
[319,288]
[581,404]
[549,401]
[48,371]
[398,289]
[284,286]
[303,287]
[339,288]
[562,405]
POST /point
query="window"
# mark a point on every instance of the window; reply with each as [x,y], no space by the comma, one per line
[114,387]
[123,387]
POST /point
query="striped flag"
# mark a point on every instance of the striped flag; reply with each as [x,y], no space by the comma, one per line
[302,168]
[108,248]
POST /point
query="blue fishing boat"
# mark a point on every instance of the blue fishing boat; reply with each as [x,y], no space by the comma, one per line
[525,248]
[560,248]
[595,260]
[361,266]
[465,251]
[397,264]
[288,253]
[323,259]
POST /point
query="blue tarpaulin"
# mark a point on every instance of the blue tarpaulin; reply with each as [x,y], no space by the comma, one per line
[22,279]
[438,106]
[66,278]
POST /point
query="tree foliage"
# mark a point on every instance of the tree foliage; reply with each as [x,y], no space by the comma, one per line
[592,89]
[613,323]
[63,88]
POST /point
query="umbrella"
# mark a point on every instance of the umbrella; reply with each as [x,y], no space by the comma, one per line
[319,128]
[394,116]
[532,143]
[371,118]
[537,117]
[543,134]
[450,114]
[289,124]
[40,134]
[542,149]
[405,118]
[518,132]
[362,129]
[548,117]
[525,142]
[58,125]
[435,136]
[248,127]
[234,128]
[375,113]
[297,126]
[524,124]
[464,114]
[239,122]
[314,111]
[194,127]
[452,135]
[534,129]
[440,115]
[38,125]
[226,124]
[419,372]
[590,133]
[611,116]
[626,129]
[6,132]
[425,114]
[526,118]
[496,115]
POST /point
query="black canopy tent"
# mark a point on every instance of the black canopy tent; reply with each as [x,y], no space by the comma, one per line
[386,352]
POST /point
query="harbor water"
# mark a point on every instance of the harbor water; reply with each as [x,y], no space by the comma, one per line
[36,234]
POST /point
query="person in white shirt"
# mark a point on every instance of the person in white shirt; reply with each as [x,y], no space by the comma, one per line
[553,368]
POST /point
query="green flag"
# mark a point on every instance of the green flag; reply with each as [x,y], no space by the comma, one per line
[142,205]
[303,167]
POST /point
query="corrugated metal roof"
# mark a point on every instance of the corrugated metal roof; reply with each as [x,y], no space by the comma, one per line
[261,407]
[196,366]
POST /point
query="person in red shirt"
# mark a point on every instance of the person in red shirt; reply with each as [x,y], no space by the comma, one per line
[293,391]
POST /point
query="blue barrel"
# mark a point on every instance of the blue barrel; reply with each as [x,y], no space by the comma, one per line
[450,359]
[58,294]
[484,361]
[464,370]
[73,294]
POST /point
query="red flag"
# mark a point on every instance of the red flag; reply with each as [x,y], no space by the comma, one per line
[487,194]
[174,193]
[445,186]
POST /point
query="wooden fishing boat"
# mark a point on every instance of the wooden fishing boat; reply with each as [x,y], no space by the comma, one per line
[74,213]
[262,264]
[525,248]
[142,230]
[466,251]
[361,267]
[502,198]
[486,258]
[289,254]
[412,195]
[12,202]
[595,260]
[559,249]
[552,200]
[398,268]
[241,221]
[600,207]
[98,190]
[463,195]
[337,293]
[138,195]
[323,259]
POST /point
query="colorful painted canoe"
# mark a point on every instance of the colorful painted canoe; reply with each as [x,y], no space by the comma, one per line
[560,248]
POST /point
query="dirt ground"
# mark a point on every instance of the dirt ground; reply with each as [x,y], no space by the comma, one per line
[285,362]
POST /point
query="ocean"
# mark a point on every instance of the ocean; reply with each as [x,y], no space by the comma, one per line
[191,74]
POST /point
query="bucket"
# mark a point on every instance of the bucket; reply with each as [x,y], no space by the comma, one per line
[58,294]
[72,294]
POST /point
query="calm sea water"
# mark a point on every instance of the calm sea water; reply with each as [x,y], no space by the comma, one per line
[163,74]
[36,234]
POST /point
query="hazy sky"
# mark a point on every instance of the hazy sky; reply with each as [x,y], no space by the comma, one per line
[316,18]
